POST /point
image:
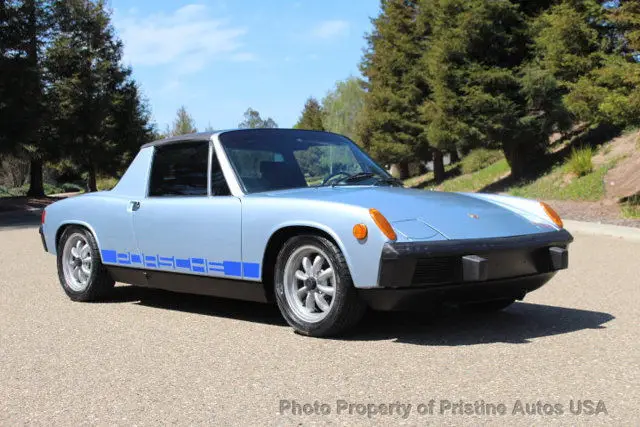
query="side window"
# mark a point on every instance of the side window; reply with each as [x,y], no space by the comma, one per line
[179,170]
[219,185]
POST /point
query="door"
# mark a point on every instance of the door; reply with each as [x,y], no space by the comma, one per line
[179,227]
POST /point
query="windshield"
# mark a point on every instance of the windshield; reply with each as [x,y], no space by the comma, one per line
[266,160]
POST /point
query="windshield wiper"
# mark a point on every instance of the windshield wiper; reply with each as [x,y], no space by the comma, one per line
[360,176]
[389,180]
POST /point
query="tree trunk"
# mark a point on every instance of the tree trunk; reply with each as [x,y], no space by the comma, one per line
[36,186]
[438,166]
[400,170]
[516,159]
[91,181]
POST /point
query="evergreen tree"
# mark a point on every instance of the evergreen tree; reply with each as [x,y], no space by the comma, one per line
[484,90]
[95,97]
[183,124]
[342,108]
[311,118]
[23,32]
[392,128]
[252,120]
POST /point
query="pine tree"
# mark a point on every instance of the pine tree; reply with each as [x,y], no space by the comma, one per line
[24,29]
[485,93]
[311,118]
[183,124]
[392,128]
[95,96]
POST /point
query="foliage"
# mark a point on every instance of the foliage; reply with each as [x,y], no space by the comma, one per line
[342,108]
[106,183]
[631,208]
[479,159]
[183,123]
[252,120]
[311,118]
[392,128]
[580,163]
[67,97]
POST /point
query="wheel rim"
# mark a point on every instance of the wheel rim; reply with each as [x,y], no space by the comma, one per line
[310,283]
[77,262]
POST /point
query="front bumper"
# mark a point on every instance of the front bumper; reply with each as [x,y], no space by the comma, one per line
[467,270]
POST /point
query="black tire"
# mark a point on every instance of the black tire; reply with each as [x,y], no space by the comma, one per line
[487,306]
[100,282]
[347,308]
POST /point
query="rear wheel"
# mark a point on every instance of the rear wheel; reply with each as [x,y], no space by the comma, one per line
[80,270]
[313,287]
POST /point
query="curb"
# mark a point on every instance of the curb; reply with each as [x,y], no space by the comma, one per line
[595,229]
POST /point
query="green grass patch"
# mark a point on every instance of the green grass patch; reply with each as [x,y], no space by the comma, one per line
[480,159]
[417,181]
[580,162]
[631,208]
[478,180]
[556,185]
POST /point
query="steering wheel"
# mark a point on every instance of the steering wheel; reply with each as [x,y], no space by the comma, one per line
[334,176]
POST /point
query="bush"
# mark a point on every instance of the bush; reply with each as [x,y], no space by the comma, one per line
[69,187]
[580,162]
[105,184]
[480,159]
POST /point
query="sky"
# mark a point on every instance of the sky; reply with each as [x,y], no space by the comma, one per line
[220,57]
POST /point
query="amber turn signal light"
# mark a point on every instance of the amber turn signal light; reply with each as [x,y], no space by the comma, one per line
[383,224]
[360,231]
[552,214]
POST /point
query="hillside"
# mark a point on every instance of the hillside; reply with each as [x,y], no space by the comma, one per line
[607,190]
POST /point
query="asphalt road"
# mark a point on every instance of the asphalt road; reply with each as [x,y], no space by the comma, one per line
[151,357]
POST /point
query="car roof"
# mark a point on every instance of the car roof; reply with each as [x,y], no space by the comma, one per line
[206,136]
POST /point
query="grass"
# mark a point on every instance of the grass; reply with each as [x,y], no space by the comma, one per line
[478,180]
[48,189]
[479,159]
[556,186]
[631,208]
[580,162]
[418,181]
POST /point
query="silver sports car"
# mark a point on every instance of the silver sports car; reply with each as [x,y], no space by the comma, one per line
[302,218]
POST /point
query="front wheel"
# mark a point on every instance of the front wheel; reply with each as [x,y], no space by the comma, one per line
[80,270]
[313,287]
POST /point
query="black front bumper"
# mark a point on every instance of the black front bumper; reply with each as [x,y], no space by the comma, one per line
[467,270]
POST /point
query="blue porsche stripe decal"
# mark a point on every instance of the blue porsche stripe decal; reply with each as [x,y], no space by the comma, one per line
[197,265]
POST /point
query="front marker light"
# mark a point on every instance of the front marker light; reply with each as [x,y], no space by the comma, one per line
[383,224]
[553,215]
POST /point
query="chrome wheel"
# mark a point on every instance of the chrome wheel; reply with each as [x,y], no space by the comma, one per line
[77,262]
[309,283]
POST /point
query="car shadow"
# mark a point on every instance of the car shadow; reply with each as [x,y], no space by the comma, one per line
[20,219]
[518,324]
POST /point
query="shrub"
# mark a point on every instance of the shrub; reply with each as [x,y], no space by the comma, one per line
[69,187]
[580,162]
[480,159]
[105,184]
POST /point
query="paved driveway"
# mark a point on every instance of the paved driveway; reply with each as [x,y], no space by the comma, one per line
[150,357]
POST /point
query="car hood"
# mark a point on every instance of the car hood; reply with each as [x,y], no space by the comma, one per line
[418,213]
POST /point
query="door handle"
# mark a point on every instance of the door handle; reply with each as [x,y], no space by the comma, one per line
[134,206]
